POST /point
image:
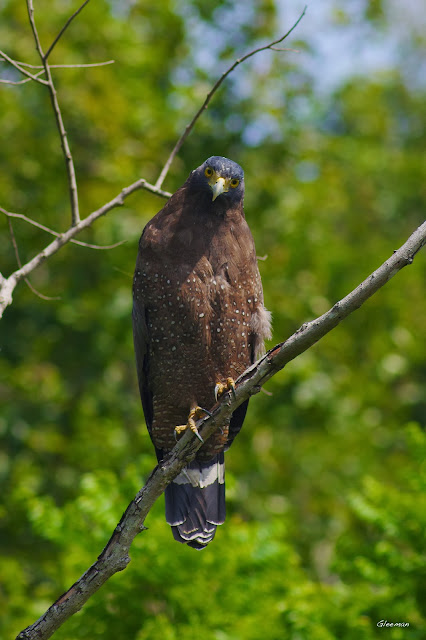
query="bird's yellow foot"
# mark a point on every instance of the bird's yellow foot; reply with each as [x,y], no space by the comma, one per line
[222,387]
[194,414]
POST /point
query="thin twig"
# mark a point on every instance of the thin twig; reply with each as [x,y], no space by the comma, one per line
[66,25]
[2,81]
[64,66]
[39,48]
[125,273]
[210,95]
[267,393]
[21,216]
[99,247]
[54,66]
[72,182]
[285,49]
[18,260]
[23,71]
[82,65]
[115,556]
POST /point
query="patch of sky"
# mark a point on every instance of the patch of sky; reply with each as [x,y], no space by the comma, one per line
[342,42]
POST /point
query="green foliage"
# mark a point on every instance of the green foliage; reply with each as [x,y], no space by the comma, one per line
[325,534]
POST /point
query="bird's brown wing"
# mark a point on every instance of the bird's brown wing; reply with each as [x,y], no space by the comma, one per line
[141,342]
[236,423]
[260,327]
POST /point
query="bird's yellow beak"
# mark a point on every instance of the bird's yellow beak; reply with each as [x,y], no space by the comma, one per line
[218,186]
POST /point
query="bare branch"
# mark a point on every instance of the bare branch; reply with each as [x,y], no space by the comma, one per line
[7,285]
[66,25]
[99,247]
[54,66]
[2,81]
[284,49]
[34,223]
[210,95]
[18,260]
[30,9]
[82,66]
[72,182]
[23,71]
[40,295]
[65,66]
[115,556]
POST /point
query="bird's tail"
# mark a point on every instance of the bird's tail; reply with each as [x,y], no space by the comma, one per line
[195,502]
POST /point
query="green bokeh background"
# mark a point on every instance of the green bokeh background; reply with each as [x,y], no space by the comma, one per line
[325,533]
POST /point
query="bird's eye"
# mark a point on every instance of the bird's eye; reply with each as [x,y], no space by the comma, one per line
[208,172]
[234,182]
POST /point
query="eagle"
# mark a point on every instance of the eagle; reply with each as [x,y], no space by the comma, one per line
[198,322]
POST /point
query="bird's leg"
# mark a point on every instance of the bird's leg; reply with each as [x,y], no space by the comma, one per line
[222,387]
[195,414]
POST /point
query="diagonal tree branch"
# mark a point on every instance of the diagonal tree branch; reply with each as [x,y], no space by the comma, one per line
[115,556]
[72,182]
[64,28]
[21,70]
[3,81]
[65,66]
[7,285]
[18,260]
[34,223]
[53,66]
[211,93]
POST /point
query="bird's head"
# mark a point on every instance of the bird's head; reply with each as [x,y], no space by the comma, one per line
[223,179]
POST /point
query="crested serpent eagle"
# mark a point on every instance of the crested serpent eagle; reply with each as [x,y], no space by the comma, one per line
[198,320]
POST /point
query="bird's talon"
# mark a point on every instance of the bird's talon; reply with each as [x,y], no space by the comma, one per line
[181,428]
[222,387]
[198,436]
[192,425]
[194,415]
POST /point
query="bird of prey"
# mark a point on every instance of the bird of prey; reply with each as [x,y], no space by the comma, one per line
[198,322]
